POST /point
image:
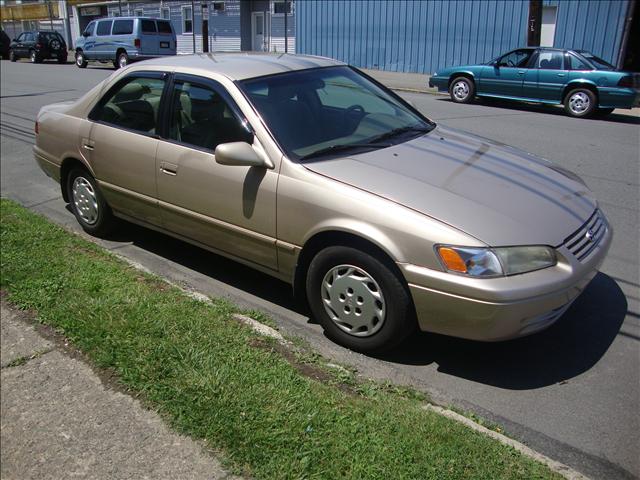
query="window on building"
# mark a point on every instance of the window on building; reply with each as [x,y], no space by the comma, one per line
[187,20]
[148,26]
[165,12]
[132,105]
[138,12]
[218,6]
[104,27]
[281,7]
[550,60]
[202,118]
[123,27]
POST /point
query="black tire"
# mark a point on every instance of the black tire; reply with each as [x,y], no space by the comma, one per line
[580,103]
[398,320]
[34,57]
[84,198]
[122,60]
[603,112]
[462,90]
[12,56]
[62,59]
[81,60]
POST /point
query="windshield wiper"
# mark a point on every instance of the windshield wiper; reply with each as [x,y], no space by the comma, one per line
[401,130]
[343,147]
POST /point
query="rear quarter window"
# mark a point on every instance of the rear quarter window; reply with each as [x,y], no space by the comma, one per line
[148,26]
[123,27]
[164,27]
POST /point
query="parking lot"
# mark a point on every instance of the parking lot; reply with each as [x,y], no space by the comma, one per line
[571,392]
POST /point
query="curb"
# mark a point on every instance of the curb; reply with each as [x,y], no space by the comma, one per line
[557,467]
[267,331]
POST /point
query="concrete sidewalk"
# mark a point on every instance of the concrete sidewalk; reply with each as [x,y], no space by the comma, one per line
[58,420]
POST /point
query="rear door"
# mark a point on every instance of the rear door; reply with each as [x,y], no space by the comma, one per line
[123,143]
[166,38]
[552,75]
[122,34]
[149,43]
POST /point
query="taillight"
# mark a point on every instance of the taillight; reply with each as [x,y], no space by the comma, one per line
[136,42]
[626,82]
[36,128]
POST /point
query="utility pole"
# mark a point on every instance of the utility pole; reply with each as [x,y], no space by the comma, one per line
[286,14]
[193,24]
[120,7]
[205,26]
[63,12]
[50,13]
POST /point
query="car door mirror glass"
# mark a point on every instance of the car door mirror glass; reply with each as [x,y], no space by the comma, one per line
[239,154]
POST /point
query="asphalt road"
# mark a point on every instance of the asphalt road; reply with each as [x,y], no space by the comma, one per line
[571,392]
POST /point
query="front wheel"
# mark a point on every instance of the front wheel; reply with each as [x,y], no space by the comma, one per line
[359,300]
[12,56]
[81,60]
[88,204]
[33,56]
[580,103]
[462,90]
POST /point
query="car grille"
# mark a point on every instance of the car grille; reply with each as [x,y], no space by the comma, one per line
[587,238]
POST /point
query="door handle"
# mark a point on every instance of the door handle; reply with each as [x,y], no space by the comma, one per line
[169,168]
[561,74]
[521,72]
[86,146]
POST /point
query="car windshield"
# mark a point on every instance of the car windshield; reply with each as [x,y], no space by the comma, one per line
[597,62]
[324,111]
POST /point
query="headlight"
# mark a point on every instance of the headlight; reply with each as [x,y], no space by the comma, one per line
[493,262]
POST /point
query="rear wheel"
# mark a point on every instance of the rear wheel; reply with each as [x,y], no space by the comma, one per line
[359,300]
[88,204]
[123,60]
[462,90]
[580,102]
[81,60]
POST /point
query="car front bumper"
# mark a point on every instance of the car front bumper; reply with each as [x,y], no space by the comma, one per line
[501,308]
[438,82]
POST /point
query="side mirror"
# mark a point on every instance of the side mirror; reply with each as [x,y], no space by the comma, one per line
[239,154]
[85,34]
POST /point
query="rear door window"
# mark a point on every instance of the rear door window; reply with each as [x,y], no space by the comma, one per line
[123,27]
[148,26]
[575,63]
[550,60]
[104,27]
[133,104]
[164,27]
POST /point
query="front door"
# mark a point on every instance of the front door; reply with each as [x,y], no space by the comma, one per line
[229,208]
[123,144]
[506,75]
[258,31]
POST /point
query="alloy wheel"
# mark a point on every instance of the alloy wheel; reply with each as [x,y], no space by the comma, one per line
[461,90]
[579,102]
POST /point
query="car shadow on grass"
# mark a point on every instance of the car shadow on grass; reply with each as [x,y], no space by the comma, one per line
[565,350]
[570,347]
[542,108]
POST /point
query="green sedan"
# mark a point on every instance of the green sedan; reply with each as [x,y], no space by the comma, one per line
[585,84]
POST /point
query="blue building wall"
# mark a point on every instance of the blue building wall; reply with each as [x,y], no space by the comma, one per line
[422,36]
[593,25]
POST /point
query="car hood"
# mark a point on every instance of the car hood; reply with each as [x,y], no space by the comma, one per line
[496,193]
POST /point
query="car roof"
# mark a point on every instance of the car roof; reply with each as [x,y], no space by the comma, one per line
[131,17]
[241,66]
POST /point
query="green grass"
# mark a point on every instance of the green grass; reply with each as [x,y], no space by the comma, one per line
[215,379]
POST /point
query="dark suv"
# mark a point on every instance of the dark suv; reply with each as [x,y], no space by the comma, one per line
[38,46]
